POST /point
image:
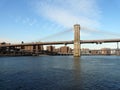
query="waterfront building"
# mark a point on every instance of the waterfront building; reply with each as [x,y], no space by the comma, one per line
[105,51]
[65,50]
[51,48]
[95,52]
[85,51]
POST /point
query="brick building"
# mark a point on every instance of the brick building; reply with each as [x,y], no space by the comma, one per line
[65,50]
[35,48]
[51,48]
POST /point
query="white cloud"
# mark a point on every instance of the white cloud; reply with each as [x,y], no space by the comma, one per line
[29,21]
[70,12]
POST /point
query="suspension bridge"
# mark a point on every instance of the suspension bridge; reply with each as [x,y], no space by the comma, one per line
[77,42]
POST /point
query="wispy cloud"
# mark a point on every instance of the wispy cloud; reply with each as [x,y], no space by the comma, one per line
[69,12]
[26,21]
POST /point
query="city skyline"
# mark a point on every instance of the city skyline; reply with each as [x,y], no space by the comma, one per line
[31,20]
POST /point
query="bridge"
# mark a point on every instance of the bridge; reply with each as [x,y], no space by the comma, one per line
[65,42]
[77,42]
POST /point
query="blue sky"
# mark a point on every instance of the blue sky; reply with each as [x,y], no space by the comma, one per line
[32,20]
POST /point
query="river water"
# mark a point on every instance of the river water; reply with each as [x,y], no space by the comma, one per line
[60,73]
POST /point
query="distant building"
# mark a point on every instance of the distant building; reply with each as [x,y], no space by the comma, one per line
[105,51]
[57,50]
[28,48]
[51,48]
[35,48]
[113,52]
[95,52]
[85,51]
[65,50]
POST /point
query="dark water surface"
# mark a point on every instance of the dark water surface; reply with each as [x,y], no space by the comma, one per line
[60,73]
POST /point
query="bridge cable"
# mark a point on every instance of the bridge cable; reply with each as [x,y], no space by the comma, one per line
[100,32]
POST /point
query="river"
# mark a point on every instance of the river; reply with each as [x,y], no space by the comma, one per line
[60,73]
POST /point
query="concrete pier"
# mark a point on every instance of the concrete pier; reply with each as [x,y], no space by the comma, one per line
[76,40]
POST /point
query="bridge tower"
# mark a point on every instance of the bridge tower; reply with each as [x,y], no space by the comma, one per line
[76,40]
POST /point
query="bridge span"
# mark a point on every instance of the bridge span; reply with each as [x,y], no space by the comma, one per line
[64,42]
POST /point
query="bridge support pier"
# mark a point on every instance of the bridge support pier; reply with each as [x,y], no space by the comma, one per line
[117,51]
[76,40]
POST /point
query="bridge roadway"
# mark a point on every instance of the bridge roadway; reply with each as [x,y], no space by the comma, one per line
[64,42]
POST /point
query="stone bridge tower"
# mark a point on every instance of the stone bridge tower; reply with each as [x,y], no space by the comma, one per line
[76,40]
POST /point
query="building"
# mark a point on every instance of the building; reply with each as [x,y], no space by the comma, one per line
[65,50]
[51,48]
[105,51]
[35,48]
[95,52]
[57,50]
[113,52]
[85,51]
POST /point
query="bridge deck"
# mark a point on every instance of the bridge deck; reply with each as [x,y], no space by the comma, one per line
[64,42]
